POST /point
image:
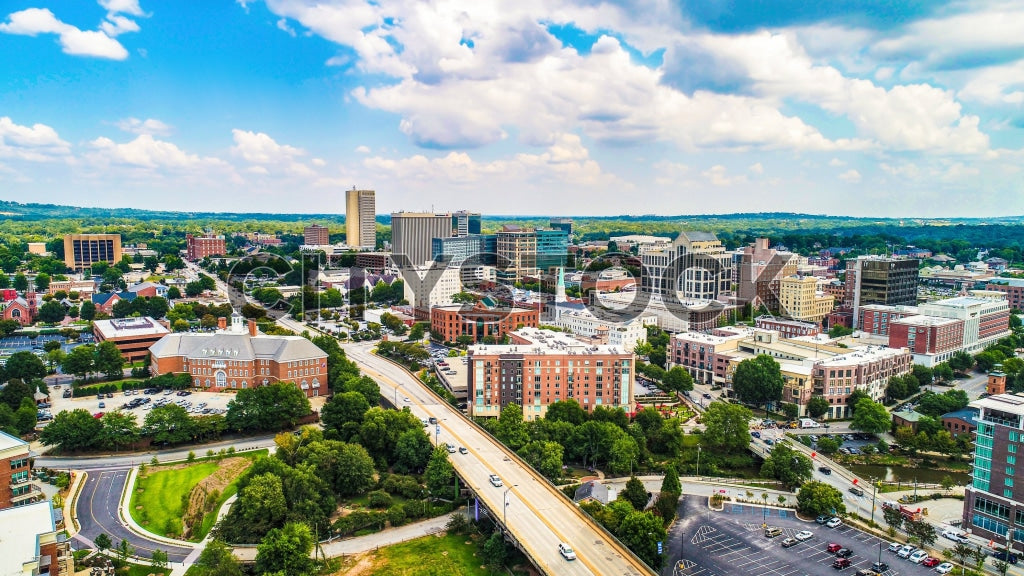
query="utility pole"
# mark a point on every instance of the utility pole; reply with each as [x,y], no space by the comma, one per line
[874,491]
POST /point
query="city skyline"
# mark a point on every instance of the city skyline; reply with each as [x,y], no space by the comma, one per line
[861,109]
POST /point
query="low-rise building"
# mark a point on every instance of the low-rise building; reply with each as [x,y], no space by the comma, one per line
[32,543]
[241,357]
[961,422]
[85,288]
[906,419]
[21,310]
[447,323]
[132,336]
[148,290]
[199,247]
[105,301]
[787,328]
[540,367]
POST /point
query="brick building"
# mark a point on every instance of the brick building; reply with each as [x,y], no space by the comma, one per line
[1012,287]
[447,323]
[540,367]
[316,235]
[241,357]
[875,318]
[927,336]
[760,274]
[199,247]
[32,542]
[16,487]
[132,336]
[787,328]
[21,310]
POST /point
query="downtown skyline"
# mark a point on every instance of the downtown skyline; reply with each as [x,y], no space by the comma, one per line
[583,108]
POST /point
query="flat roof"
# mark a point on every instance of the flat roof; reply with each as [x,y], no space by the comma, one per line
[1011,403]
[126,327]
[20,528]
[541,341]
[7,441]
[922,320]
[866,353]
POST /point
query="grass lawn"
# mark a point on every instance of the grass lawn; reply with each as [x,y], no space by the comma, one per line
[164,492]
[449,555]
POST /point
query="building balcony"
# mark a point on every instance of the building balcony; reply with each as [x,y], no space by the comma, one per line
[32,492]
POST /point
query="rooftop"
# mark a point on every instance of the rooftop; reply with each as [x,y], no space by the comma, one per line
[542,341]
[7,442]
[236,346]
[20,528]
[921,320]
[908,415]
[865,354]
[124,327]
[1011,403]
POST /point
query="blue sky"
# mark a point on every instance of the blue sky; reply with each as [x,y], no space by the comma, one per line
[583,107]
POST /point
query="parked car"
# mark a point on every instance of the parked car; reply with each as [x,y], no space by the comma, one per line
[788,542]
[906,551]
[844,553]
[1002,555]
[944,568]
[918,557]
[821,519]
[833,547]
[834,522]
[772,531]
[842,563]
[930,562]
[866,572]
[880,567]
[803,535]
[895,546]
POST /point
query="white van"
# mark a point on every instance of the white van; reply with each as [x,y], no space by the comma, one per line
[808,423]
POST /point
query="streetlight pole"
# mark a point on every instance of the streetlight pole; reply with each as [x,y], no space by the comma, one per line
[504,511]
[698,462]
[874,491]
[879,551]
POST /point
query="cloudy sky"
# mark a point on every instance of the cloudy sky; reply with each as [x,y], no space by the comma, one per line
[583,107]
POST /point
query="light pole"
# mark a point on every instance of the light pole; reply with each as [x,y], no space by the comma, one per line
[879,551]
[698,462]
[874,491]
[504,510]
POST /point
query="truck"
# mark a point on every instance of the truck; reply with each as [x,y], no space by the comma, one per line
[808,423]
[913,514]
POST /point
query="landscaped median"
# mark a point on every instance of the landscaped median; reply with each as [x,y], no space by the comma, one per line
[181,500]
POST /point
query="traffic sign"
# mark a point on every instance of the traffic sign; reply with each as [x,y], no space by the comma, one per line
[659,547]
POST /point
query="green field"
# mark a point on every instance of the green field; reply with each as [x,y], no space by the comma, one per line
[449,555]
[162,499]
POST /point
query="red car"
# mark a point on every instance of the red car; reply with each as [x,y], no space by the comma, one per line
[842,563]
[832,547]
[930,562]
[98,415]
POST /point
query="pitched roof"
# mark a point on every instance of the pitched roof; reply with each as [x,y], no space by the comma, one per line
[969,415]
[142,286]
[102,298]
[236,346]
[698,236]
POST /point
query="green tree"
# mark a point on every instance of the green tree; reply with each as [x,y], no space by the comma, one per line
[624,452]
[670,483]
[678,379]
[545,457]
[159,558]
[942,372]
[817,407]
[168,424]
[216,559]
[788,466]
[566,411]
[440,474]
[816,498]
[855,397]
[790,410]
[343,409]
[666,506]
[828,445]
[758,380]
[726,427]
[961,362]
[80,361]
[922,531]
[24,366]
[870,417]
[417,331]
[641,532]
[173,293]
[635,493]
[263,408]
[16,392]
[495,552]
[261,506]
[42,281]
[124,551]
[511,429]
[72,430]
[893,518]
[51,312]
[87,311]
[119,429]
[20,282]
[109,360]
[412,451]
[286,551]
[103,542]
[26,416]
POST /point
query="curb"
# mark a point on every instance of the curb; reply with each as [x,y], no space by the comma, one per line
[129,522]
[71,503]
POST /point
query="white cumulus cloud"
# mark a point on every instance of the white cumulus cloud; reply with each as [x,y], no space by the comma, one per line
[852,176]
[74,41]
[36,143]
[150,126]
[260,149]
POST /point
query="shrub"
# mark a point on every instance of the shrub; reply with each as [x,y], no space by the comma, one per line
[379,499]
[396,515]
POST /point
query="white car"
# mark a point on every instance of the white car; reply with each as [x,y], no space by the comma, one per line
[803,535]
[494,478]
[906,551]
[944,568]
[833,522]
[566,551]
[918,557]
[406,399]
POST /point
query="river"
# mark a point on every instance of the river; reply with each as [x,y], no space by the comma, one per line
[907,475]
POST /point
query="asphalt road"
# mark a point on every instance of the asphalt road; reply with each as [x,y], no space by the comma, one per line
[97,514]
[125,461]
[537,516]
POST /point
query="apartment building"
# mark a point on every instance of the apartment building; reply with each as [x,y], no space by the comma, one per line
[208,245]
[316,235]
[787,328]
[877,318]
[16,486]
[994,500]
[33,542]
[985,316]
[696,266]
[539,367]
[241,357]
[361,218]
[1012,287]
[517,252]
[801,299]
[867,368]
[930,339]
[83,250]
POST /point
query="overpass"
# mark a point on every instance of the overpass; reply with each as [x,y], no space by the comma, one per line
[537,515]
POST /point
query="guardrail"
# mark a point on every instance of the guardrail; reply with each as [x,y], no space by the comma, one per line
[621,548]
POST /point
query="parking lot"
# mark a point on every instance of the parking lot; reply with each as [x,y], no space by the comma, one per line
[708,543]
[212,400]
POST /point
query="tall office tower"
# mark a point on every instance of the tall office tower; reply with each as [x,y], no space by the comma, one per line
[517,252]
[881,280]
[316,235]
[360,218]
[552,249]
[413,232]
[83,250]
[465,223]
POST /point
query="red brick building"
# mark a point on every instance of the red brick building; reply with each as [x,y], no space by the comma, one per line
[876,318]
[132,336]
[16,487]
[927,334]
[199,247]
[787,328]
[540,367]
[21,310]
[1012,287]
[447,323]
[241,357]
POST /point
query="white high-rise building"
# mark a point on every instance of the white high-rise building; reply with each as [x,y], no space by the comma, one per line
[361,218]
